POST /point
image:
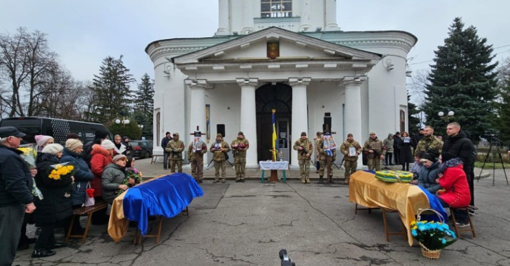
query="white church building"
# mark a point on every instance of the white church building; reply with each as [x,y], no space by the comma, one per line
[287,55]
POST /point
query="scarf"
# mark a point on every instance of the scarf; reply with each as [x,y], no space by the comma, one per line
[197,144]
[450,163]
[328,144]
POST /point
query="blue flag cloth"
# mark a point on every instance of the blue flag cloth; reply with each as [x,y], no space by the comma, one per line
[166,196]
[435,204]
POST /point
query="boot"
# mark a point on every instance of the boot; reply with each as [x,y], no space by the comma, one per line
[346,180]
[320,180]
[43,253]
[303,181]
[330,179]
[308,180]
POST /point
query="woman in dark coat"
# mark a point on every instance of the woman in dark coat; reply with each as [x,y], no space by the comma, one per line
[55,207]
[406,152]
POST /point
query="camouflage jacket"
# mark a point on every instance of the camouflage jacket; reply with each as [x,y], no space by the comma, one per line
[345,150]
[193,155]
[429,144]
[240,147]
[219,155]
[308,148]
[175,148]
[376,145]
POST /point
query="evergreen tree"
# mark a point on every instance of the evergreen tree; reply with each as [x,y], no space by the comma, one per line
[462,80]
[413,111]
[144,105]
[112,91]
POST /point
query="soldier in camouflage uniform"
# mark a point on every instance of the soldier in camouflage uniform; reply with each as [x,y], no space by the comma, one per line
[175,147]
[196,151]
[219,148]
[376,152]
[429,143]
[327,156]
[305,149]
[239,147]
[350,162]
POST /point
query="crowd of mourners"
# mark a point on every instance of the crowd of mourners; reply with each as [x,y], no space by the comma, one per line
[30,194]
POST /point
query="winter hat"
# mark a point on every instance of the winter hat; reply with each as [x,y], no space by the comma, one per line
[119,157]
[42,139]
[446,156]
[101,134]
[72,144]
[428,157]
[53,148]
[108,144]
[303,133]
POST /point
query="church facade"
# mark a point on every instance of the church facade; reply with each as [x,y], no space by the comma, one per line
[284,55]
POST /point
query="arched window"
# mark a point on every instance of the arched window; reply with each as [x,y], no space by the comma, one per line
[402,120]
[158,125]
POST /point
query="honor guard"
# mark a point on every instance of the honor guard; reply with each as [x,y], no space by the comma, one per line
[327,151]
[196,151]
[375,152]
[175,147]
[351,150]
[219,149]
[239,147]
[304,148]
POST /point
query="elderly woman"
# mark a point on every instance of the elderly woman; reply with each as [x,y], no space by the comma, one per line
[82,175]
[42,141]
[56,205]
[428,174]
[101,157]
[113,178]
[453,179]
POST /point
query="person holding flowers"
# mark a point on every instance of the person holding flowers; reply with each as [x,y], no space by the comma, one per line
[113,178]
[454,181]
[54,181]
[82,175]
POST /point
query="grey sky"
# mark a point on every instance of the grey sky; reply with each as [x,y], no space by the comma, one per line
[85,32]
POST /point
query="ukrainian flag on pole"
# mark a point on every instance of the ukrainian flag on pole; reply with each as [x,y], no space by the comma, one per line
[275,139]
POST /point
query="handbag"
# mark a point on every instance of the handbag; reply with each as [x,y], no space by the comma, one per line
[89,196]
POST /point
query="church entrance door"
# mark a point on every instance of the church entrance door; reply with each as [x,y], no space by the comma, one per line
[269,97]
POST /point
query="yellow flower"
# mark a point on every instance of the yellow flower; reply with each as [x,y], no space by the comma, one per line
[413,223]
[414,227]
[70,168]
[58,166]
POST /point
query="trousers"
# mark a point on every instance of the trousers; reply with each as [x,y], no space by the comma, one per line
[11,219]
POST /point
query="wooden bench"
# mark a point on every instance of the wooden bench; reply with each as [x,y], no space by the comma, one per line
[138,235]
[100,205]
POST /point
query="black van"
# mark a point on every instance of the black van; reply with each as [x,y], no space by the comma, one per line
[57,128]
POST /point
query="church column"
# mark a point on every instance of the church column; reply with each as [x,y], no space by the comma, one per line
[330,16]
[353,109]
[299,112]
[224,17]
[197,110]
[248,123]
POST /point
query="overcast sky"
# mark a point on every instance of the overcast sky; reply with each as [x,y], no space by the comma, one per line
[83,33]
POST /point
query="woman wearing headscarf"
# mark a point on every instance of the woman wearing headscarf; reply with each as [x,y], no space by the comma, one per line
[55,207]
[453,179]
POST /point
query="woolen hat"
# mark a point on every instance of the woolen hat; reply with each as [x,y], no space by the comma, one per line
[428,157]
[42,139]
[10,131]
[53,148]
[303,133]
[119,157]
[446,156]
[108,144]
[72,144]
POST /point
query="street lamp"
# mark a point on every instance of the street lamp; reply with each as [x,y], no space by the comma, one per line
[123,121]
[140,126]
[447,117]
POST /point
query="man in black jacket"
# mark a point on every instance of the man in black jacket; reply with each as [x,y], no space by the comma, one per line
[15,193]
[397,144]
[166,154]
[458,144]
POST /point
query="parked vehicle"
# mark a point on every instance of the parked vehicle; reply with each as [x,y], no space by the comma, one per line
[141,148]
[57,128]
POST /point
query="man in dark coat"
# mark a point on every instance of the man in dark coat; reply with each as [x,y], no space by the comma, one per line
[164,143]
[397,145]
[15,193]
[459,145]
[416,138]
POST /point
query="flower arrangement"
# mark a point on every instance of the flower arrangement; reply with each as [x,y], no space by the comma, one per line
[133,173]
[433,236]
[61,170]
[29,155]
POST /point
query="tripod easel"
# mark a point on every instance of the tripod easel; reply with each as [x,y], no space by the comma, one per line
[493,143]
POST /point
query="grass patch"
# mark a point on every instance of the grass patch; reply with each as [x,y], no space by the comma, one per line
[489,165]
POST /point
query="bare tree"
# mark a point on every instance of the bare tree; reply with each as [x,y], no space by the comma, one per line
[419,81]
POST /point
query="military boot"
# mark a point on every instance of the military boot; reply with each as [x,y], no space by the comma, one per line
[308,180]
[320,180]
[303,181]
[330,179]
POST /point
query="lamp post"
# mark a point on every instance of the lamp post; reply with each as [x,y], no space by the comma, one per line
[447,116]
[122,121]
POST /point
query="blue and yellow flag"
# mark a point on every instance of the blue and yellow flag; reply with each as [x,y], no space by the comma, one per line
[275,139]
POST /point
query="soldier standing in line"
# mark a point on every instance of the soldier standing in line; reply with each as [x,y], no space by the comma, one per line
[304,148]
[351,150]
[317,141]
[175,147]
[327,151]
[219,149]
[429,143]
[239,147]
[196,151]
[376,152]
